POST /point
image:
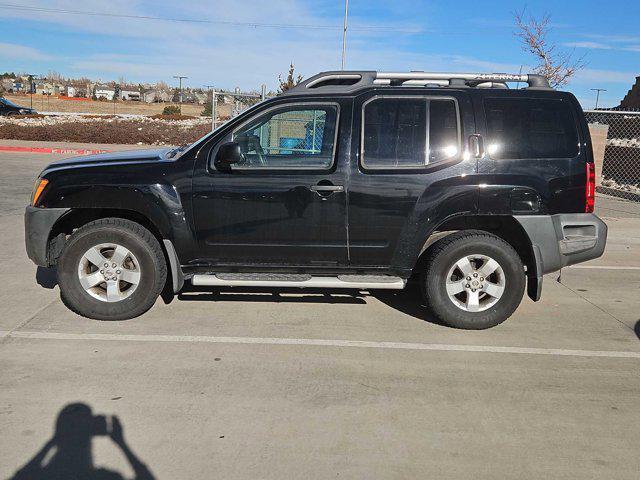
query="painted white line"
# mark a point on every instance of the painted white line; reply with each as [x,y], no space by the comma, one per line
[605,267]
[321,343]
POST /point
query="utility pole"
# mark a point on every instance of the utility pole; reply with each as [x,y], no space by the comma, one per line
[598,90]
[213,94]
[344,32]
[180,77]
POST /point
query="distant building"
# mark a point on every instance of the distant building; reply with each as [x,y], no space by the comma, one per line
[104,91]
[129,95]
[156,95]
[48,88]
[632,98]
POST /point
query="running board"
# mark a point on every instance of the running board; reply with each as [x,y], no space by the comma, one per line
[363,282]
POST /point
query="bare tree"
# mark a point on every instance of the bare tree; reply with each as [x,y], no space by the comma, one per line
[291,81]
[557,66]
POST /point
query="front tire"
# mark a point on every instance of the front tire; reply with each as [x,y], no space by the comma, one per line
[111,269]
[473,280]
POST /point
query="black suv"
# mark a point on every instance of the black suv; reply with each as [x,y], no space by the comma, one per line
[8,108]
[359,180]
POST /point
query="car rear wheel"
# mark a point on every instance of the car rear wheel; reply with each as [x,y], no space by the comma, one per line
[111,269]
[473,280]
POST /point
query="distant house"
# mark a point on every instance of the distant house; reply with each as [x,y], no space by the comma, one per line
[7,84]
[632,98]
[48,88]
[156,95]
[70,91]
[104,91]
[129,95]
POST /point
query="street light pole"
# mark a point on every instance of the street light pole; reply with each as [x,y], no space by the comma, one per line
[598,90]
[180,77]
[31,77]
[213,113]
[344,32]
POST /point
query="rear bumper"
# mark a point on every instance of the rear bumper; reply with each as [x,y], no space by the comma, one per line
[37,227]
[561,240]
[564,239]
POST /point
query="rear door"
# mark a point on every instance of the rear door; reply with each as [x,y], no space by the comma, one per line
[410,146]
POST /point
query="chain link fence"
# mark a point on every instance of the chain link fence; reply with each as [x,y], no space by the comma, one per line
[226,105]
[615,136]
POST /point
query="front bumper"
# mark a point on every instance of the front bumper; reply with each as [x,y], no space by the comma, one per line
[38,223]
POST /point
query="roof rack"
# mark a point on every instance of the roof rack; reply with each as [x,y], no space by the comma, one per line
[341,81]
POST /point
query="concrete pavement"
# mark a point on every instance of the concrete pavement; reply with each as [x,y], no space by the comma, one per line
[194,405]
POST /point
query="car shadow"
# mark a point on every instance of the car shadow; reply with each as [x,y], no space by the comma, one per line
[47,277]
[636,329]
[69,452]
[271,295]
[408,301]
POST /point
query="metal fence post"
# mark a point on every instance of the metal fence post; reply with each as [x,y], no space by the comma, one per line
[214,101]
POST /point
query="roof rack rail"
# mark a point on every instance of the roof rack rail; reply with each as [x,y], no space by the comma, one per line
[341,81]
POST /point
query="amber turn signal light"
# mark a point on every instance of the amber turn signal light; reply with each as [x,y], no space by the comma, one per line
[38,190]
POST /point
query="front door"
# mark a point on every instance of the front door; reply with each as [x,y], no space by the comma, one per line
[284,205]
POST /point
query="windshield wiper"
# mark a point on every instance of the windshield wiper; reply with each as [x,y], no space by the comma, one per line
[175,151]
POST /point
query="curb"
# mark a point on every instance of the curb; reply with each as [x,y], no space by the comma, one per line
[58,151]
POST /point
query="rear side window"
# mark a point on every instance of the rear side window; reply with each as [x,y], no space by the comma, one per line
[409,132]
[530,128]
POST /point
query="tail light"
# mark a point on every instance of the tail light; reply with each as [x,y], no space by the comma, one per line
[590,191]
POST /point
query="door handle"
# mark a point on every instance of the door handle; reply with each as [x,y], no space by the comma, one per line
[326,188]
[476,145]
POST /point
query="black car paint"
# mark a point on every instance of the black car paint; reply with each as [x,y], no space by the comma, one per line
[379,223]
[10,108]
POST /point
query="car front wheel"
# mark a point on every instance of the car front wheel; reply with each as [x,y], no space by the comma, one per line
[111,269]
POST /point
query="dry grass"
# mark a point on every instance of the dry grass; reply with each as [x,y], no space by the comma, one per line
[44,103]
[105,130]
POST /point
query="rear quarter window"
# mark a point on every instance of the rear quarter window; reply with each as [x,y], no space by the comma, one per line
[519,128]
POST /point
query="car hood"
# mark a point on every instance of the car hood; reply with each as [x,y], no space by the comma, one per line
[112,158]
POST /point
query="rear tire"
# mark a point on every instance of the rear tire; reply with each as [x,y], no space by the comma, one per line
[473,280]
[111,269]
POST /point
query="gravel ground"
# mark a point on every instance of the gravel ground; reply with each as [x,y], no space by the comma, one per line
[113,129]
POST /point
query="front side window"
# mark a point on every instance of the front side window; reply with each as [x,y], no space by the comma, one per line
[530,128]
[298,136]
[409,132]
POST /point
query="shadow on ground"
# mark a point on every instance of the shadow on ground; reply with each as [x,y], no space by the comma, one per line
[68,454]
[636,329]
[408,301]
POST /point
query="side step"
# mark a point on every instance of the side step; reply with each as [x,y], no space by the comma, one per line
[299,281]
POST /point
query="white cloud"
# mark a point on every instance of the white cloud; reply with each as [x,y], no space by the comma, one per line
[589,45]
[20,52]
[590,75]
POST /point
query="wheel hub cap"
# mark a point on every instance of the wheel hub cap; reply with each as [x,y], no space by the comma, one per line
[475,283]
[109,272]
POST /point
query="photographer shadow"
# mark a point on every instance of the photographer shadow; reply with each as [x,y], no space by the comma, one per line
[69,455]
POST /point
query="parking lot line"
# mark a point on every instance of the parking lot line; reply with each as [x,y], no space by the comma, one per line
[318,343]
[604,267]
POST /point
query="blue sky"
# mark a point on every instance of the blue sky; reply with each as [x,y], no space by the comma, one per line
[417,35]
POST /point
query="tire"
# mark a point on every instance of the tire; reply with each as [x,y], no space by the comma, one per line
[461,261]
[133,284]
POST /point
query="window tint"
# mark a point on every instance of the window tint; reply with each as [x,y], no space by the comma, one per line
[409,132]
[530,128]
[290,137]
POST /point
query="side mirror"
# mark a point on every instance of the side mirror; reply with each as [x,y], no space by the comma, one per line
[228,154]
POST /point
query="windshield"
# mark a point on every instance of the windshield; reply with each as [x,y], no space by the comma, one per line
[8,103]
